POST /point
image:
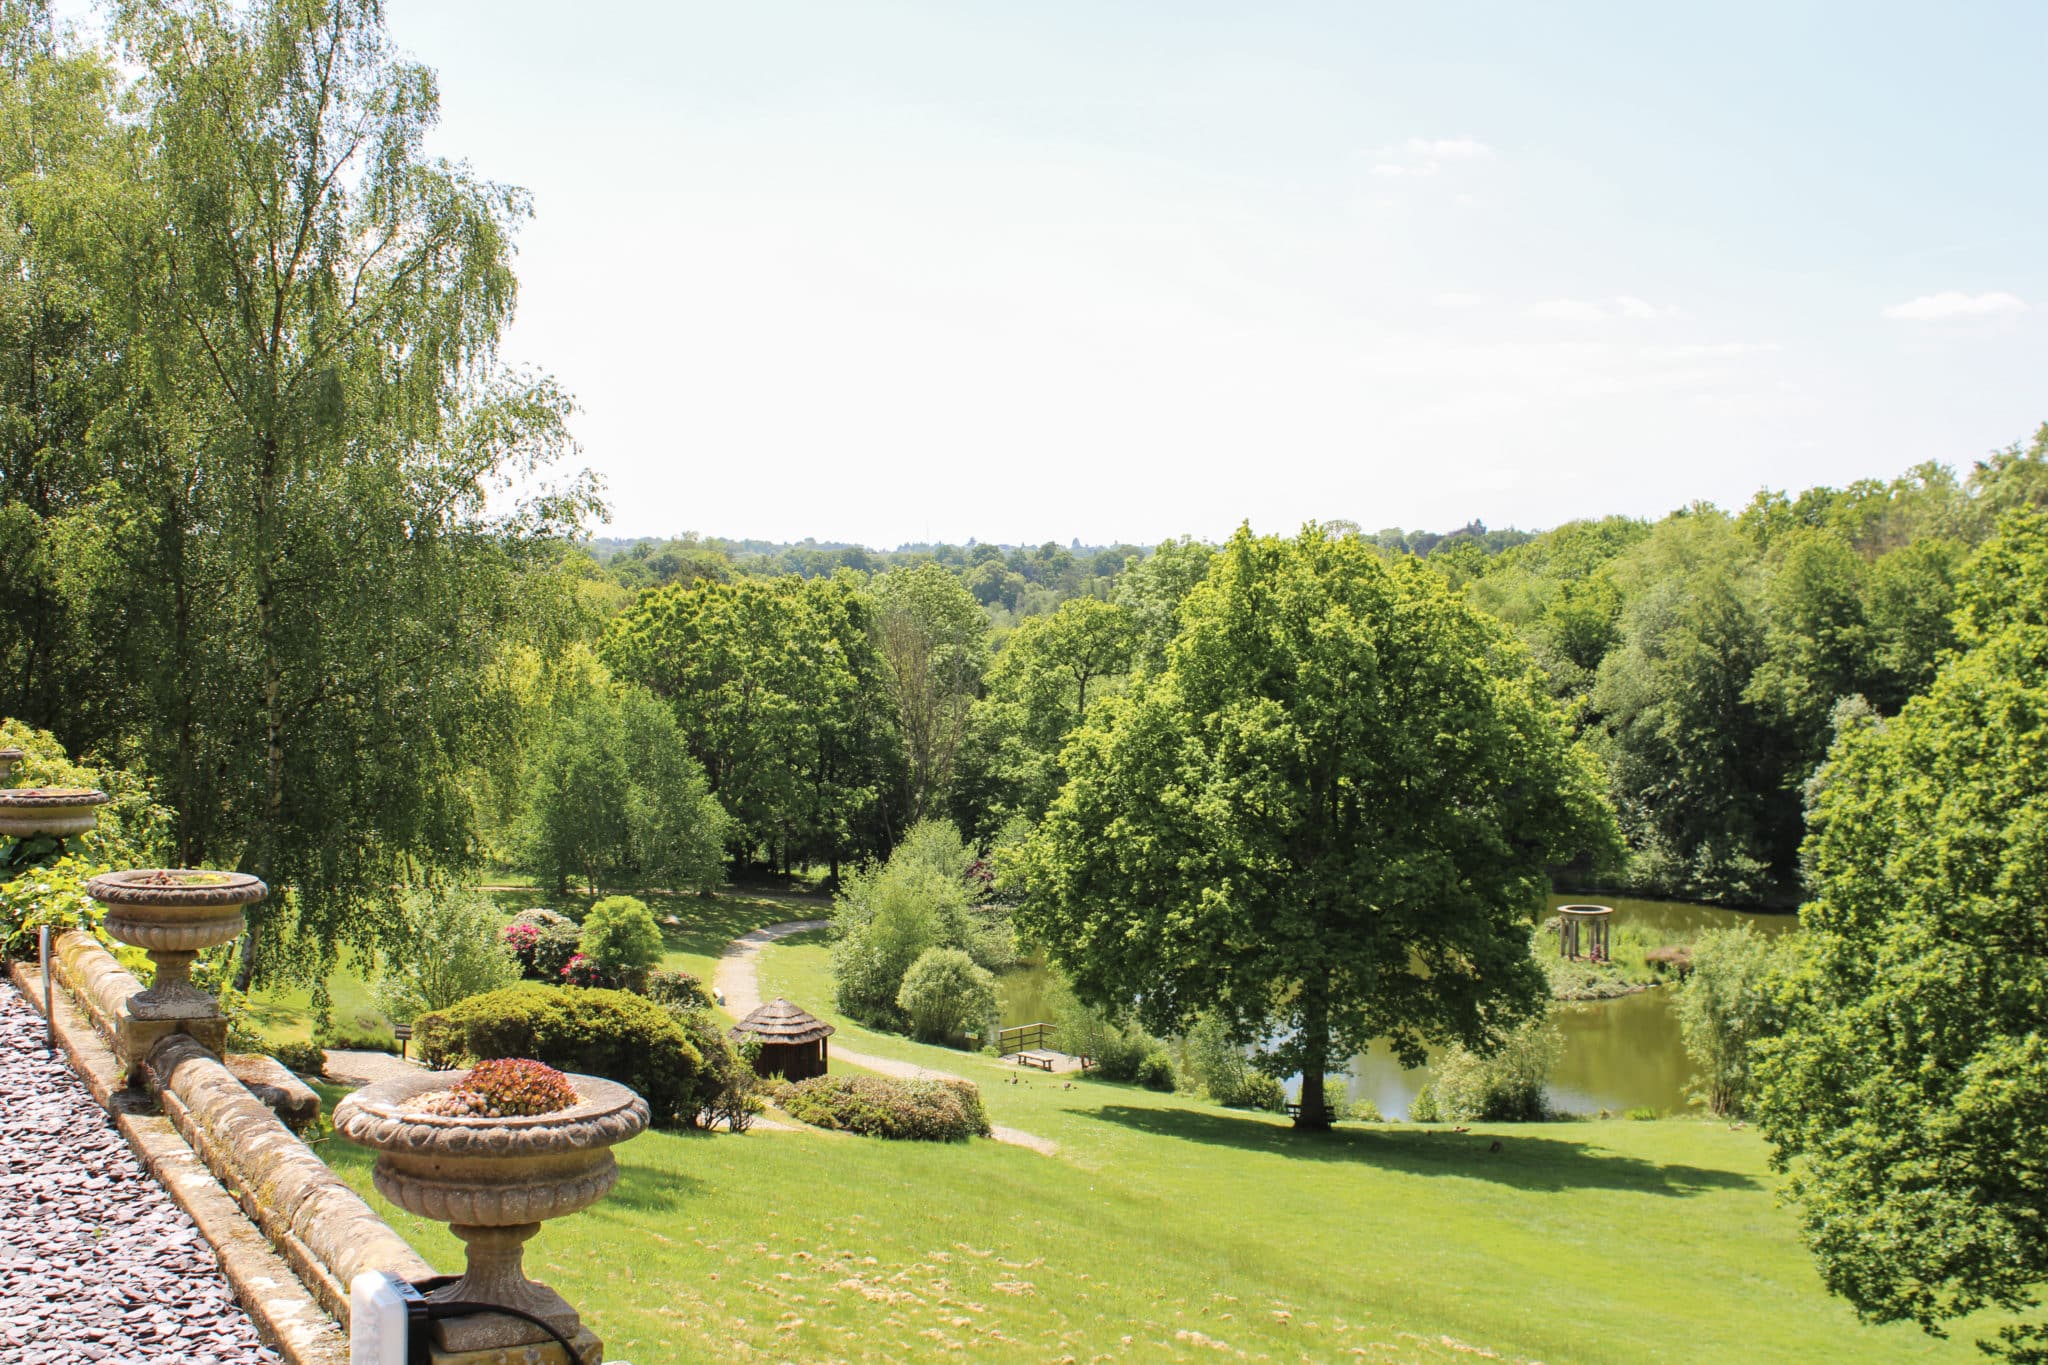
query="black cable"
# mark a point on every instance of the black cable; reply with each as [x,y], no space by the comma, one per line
[463,1308]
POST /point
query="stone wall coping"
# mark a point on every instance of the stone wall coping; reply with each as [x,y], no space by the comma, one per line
[283,1309]
[321,1226]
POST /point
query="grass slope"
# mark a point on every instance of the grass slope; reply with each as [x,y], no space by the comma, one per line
[1168,1229]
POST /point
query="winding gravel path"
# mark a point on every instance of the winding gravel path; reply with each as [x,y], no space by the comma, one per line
[96,1261]
[738,978]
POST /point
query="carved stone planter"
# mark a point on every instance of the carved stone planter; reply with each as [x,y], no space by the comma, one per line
[494,1181]
[175,914]
[8,758]
[57,811]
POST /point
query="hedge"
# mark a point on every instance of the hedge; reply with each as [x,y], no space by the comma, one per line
[613,1034]
[878,1106]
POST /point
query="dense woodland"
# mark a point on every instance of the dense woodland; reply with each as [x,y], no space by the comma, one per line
[1708,656]
[253,423]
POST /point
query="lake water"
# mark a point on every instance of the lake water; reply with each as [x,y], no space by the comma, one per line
[1618,1054]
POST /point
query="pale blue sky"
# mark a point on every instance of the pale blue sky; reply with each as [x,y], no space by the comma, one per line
[879,271]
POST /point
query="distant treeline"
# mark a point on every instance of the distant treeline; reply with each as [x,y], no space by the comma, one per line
[1709,656]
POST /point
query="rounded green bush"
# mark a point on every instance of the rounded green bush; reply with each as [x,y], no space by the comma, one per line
[621,937]
[678,989]
[944,994]
[1256,1090]
[614,1034]
[1155,1072]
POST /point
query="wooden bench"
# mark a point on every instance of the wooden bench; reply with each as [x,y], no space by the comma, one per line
[1042,1060]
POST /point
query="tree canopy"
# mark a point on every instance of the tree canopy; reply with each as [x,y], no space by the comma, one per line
[1908,1095]
[1329,819]
[269,424]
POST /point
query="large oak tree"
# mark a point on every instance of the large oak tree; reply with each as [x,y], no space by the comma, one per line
[1329,819]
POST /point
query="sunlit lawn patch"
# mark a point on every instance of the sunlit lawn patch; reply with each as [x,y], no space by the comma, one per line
[1167,1228]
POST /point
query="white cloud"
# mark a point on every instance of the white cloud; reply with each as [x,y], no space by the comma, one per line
[1427,155]
[1953,303]
[1448,148]
[1624,306]
[1458,300]
[1568,310]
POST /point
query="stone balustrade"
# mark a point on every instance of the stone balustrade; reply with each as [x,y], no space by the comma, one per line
[323,1229]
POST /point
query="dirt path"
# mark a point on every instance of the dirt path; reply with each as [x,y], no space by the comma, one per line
[738,978]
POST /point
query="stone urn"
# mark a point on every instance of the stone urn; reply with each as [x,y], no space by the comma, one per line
[8,758]
[493,1181]
[175,914]
[59,811]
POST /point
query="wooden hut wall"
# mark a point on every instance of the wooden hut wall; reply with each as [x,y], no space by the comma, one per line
[793,1061]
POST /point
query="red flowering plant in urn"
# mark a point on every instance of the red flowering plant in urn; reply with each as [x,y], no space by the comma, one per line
[493,1152]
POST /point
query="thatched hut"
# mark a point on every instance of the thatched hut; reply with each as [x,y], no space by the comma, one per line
[792,1042]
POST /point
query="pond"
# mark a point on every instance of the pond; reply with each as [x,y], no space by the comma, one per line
[1618,1054]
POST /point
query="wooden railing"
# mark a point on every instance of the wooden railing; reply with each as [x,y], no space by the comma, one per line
[1023,1038]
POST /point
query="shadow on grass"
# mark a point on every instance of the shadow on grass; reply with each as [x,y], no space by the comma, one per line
[642,1189]
[1540,1158]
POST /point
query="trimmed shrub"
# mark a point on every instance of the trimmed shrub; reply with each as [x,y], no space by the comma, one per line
[1155,1071]
[553,949]
[614,1034]
[945,994]
[362,1035]
[620,935]
[727,1088]
[881,1106]
[1256,1090]
[678,989]
[1504,1085]
[308,1058]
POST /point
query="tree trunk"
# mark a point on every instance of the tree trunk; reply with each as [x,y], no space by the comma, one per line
[273,693]
[1315,1036]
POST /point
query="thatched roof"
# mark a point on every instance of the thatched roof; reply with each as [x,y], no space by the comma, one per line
[778,1021]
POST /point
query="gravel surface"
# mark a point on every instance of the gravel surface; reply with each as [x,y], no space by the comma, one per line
[96,1262]
[361,1068]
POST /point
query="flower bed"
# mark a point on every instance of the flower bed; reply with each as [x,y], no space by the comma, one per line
[878,1106]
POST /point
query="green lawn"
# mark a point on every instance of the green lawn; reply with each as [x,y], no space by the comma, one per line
[1169,1229]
